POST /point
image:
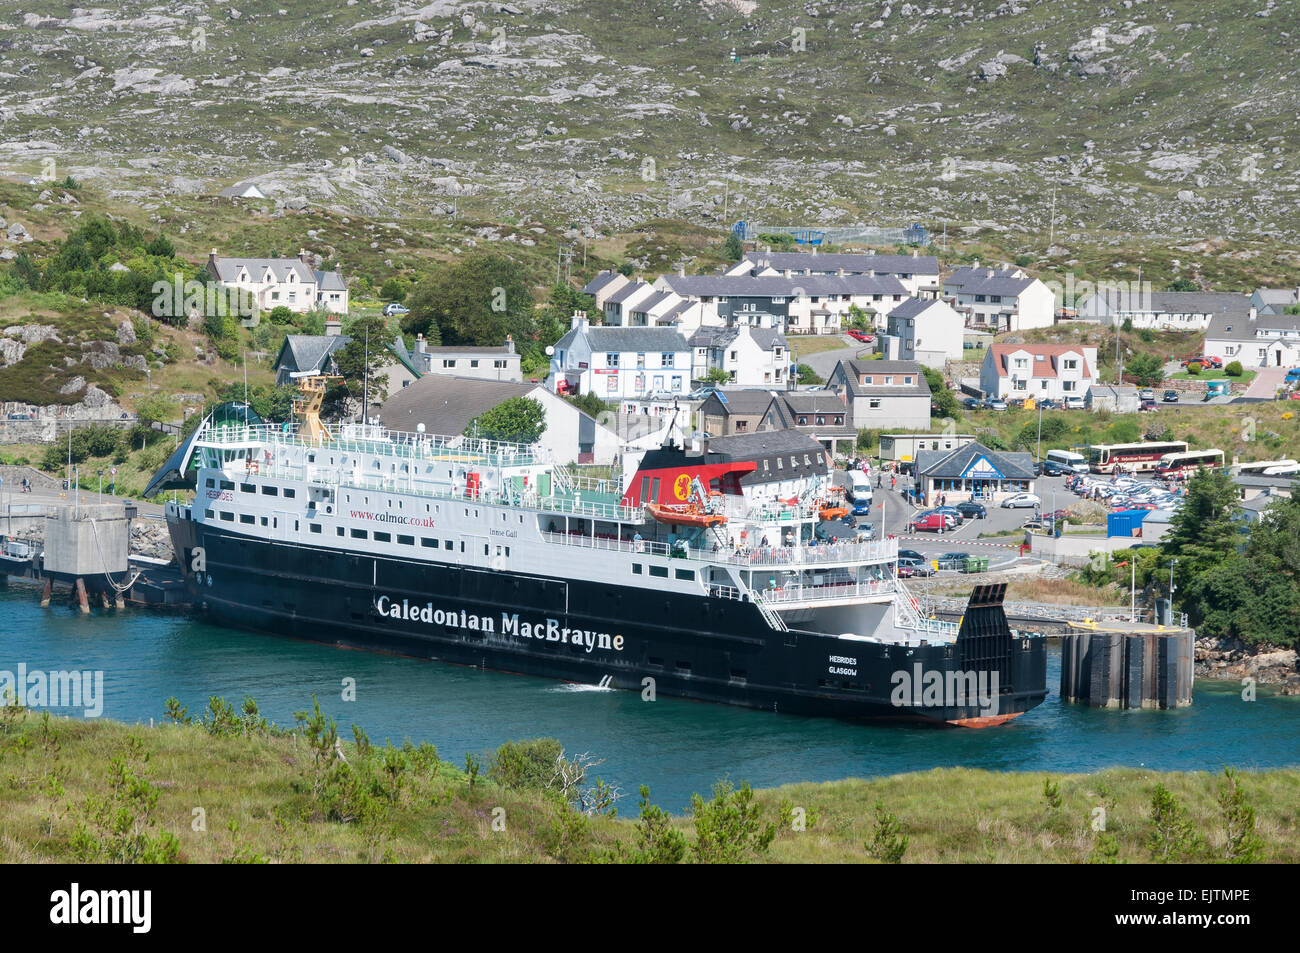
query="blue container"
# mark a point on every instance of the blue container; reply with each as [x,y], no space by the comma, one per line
[1125,523]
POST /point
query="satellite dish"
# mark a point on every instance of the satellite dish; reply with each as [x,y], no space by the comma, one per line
[419,428]
[550,351]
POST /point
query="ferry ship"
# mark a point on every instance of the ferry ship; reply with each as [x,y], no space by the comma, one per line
[667,580]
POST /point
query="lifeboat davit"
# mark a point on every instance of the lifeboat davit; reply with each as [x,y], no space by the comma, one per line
[684,514]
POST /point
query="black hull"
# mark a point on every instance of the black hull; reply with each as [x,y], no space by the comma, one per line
[713,650]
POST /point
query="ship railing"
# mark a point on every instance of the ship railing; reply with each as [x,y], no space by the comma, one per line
[381,442]
[782,556]
[829,592]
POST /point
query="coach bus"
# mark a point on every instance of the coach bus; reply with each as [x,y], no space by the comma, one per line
[1268,468]
[1173,464]
[1104,458]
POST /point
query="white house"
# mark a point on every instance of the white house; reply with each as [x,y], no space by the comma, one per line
[488,363]
[619,305]
[1255,339]
[618,363]
[754,357]
[288,282]
[1159,310]
[603,285]
[242,190]
[447,405]
[1000,299]
[918,273]
[803,304]
[883,394]
[1054,371]
[924,330]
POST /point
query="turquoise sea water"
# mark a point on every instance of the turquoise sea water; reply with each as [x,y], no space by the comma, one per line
[677,747]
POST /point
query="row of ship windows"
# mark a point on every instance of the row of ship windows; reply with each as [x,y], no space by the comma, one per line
[289,493]
[427,542]
[687,575]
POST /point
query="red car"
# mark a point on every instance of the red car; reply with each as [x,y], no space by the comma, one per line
[860,336]
[931,523]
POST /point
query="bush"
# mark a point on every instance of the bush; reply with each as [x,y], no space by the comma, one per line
[1234,369]
[1023,261]
[524,765]
[808,376]
[1193,368]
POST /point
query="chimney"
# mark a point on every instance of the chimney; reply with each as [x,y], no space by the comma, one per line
[975,264]
[420,344]
[302,255]
[915,253]
[333,326]
[212,257]
[510,344]
[579,321]
[1254,313]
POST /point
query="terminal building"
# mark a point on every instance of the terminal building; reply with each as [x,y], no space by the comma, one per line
[973,472]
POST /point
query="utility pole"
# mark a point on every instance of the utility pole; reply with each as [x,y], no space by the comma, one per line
[1038,454]
[1051,220]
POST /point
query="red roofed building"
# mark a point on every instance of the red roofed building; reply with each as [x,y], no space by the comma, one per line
[1055,371]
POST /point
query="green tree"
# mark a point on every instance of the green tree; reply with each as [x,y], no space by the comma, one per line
[657,841]
[1206,530]
[807,375]
[161,246]
[589,404]
[1243,845]
[888,843]
[156,408]
[517,420]
[729,828]
[717,375]
[394,289]
[1148,370]
[361,364]
[1172,838]
[734,248]
[524,765]
[945,401]
[476,301]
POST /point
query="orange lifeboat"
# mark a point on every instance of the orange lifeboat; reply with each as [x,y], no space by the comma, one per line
[684,514]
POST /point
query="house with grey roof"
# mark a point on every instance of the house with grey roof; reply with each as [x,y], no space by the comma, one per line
[973,472]
[1275,300]
[883,394]
[1159,310]
[289,282]
[604,285]
[314,354]
[924,330]
[752,356]
[918,273]
[619,305]
[804,304]
[821,414]
[620,363]
[999,299]
[447,405]
[732,410]
[1255,339]
[501,363]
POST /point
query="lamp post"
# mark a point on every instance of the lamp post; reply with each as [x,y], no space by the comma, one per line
[1038,453]
[1172,564]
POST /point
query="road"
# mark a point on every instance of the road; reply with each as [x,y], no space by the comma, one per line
[823,362]
[1267,381]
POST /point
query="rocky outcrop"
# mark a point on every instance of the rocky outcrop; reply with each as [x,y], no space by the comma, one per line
[1235,660]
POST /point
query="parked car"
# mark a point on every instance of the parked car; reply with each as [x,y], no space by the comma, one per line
[1146,393]
[393,308]
[972,510]
[1037,525]
[918,567]
[1052,468]
[950,519]
[952,511]
[953,560]
[867,529]
[862,507]
[1293,375]
[997,404]
[1170,397]
[970,403]
[1048,404]
[1074,403]
[1021,500]
[929,523]
[858,336]
[910,554]
[1148,405]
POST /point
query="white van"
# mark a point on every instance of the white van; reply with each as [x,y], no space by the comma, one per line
[859,487]
[1067,460]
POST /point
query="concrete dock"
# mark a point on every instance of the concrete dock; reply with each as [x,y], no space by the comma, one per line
[1127,665]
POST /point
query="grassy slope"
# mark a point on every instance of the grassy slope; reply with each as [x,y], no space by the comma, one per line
[257,784]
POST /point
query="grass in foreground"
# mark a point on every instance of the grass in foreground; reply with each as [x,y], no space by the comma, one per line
[234,790]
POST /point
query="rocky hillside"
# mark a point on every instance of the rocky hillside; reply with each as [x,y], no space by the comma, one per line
[1144,117]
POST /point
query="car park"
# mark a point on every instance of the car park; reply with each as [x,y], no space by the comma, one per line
[1021,500]
[1170,397]
[972,510]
